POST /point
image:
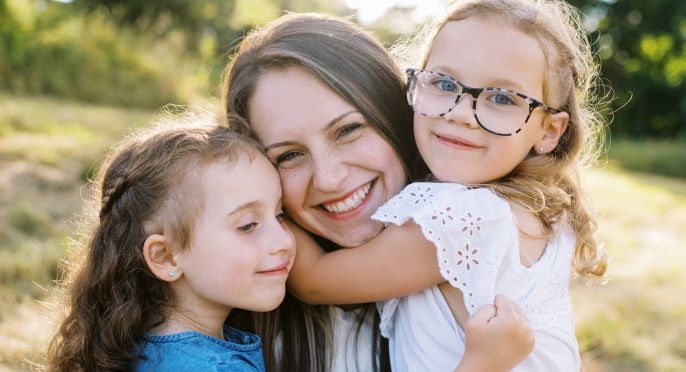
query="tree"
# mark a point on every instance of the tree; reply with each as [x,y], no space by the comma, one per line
[643,52]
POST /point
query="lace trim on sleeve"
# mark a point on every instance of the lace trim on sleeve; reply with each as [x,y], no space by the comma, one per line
[471,229]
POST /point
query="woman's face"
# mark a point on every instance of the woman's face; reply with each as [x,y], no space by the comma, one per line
[335,169]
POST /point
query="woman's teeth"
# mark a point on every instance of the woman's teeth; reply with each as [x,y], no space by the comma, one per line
[349,203]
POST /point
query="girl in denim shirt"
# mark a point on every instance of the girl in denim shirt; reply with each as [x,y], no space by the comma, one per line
[190,227]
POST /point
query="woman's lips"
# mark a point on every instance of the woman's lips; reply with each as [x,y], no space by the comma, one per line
[349,202]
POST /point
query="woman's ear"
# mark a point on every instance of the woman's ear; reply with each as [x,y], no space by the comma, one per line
[159,256]
[554,126]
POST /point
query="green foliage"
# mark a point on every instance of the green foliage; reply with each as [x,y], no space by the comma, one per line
[128,52]
[642,45]
[51,52]
[663,157]
[29,221]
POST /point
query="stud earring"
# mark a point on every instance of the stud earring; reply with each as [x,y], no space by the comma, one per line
[172,274]
[540,149]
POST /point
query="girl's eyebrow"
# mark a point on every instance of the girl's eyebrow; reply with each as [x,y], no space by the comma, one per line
[498,82]
[324,129]
[242,207]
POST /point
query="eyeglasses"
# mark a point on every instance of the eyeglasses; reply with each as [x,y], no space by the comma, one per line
[497,110]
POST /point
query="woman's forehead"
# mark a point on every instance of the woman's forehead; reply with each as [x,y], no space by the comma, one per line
[292,100]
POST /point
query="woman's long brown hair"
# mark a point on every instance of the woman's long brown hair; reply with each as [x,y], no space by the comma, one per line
[355,66]
[110,297]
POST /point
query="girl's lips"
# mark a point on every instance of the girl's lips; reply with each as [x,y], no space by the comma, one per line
[276,270]
[456,142]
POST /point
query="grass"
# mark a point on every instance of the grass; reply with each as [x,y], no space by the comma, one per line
[636,322]
[665,157]
[47,146]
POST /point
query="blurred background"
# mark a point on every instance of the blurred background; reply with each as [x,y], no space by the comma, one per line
[76,76]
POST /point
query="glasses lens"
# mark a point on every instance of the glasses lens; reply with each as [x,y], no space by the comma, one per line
[432,94]
[501,111]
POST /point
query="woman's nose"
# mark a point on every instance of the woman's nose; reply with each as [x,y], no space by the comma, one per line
[329,172]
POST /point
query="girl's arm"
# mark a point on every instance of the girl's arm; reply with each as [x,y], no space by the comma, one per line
[398,262]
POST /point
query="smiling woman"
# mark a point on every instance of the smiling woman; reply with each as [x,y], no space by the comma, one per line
[336,170]
[328,103]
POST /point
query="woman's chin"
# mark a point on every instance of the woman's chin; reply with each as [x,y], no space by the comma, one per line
[357,237]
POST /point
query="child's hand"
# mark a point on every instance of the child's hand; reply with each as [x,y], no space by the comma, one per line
[497,338]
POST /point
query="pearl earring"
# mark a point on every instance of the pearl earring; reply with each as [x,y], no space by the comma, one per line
[540,149]
[172,274]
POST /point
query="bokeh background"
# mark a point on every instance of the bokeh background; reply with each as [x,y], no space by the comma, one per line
[76,76]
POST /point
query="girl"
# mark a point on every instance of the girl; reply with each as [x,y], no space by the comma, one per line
[190,227]
[331,94]
[502,119]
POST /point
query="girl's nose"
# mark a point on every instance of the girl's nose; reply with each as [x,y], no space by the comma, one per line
[282,240]
[463,113]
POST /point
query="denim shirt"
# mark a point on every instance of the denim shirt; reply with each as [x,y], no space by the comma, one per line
[194,351]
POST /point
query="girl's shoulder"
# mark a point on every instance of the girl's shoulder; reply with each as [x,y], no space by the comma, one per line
[451,201]
[239,351]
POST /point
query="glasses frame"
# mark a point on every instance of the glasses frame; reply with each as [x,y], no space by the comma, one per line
[474,92]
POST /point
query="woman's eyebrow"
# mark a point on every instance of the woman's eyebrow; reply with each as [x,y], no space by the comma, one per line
[337,119]
[324,129]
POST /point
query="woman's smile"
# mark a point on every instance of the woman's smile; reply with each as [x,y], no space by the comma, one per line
[349,202]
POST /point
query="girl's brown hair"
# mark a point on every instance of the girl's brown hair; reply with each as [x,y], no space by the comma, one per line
[357,67]
[145,187]
[549,184]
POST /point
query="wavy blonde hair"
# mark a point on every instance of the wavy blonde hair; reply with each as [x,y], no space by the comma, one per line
[549,184]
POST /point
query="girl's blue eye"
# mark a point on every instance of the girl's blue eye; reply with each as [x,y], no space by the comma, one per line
[248,228]
[501,99]
[446,85]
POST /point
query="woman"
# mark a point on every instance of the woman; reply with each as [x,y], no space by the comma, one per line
[328,103]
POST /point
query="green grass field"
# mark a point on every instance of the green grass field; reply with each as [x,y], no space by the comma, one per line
[48,148]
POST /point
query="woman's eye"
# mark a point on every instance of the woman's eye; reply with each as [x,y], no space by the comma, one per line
[248,228]
[348,130]
[446,85]
[287,156]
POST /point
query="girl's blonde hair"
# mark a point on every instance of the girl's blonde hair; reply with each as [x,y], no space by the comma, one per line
[146,186]
[549,184]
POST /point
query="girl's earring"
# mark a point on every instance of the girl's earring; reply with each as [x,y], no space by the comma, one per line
[172,274]
[540,149]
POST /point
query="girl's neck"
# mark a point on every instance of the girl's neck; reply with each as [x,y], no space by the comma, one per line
[185,320]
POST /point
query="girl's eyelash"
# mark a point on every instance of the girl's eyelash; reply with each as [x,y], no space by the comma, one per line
[281,216]
[248,228]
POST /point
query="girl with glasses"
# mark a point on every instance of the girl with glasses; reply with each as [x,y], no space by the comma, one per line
[504,120]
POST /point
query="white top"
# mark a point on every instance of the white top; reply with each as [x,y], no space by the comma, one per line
[352,350]
[477,245]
